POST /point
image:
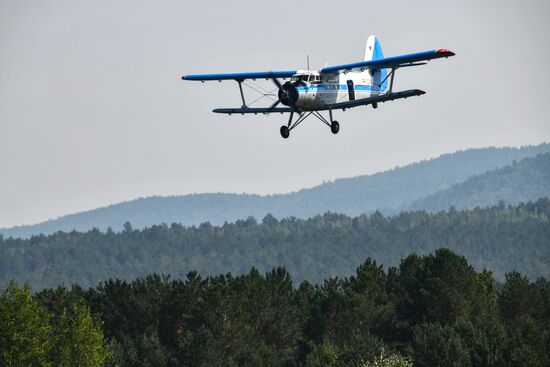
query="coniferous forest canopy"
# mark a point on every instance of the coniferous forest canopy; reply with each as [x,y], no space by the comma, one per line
[501,238]
[432,310]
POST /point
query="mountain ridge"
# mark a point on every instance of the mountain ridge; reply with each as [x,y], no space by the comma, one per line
[389,191]
[521,181]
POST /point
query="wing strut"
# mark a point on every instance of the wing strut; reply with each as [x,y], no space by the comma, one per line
[390,75]
[242,94]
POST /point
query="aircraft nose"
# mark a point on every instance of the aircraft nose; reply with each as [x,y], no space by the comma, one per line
[288,94]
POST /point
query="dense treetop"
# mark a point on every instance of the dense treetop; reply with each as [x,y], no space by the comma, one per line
[432,310]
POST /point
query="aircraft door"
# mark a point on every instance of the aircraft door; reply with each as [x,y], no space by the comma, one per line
[351,90]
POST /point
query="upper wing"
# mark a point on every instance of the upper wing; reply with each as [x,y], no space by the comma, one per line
[240,76]
[390,62]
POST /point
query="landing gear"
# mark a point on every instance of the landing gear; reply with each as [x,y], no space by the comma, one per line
[285,132]
[335,127]
[375,105]
[285,129]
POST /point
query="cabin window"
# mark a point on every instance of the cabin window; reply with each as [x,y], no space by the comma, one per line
[306,78]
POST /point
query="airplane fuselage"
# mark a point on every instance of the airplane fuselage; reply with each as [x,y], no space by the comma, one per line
[316,91]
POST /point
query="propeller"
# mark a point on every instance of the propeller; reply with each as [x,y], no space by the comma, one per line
[279,86]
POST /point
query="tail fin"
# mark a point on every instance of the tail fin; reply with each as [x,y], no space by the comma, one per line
[373,51]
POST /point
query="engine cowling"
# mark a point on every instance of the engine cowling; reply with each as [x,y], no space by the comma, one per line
[288,94]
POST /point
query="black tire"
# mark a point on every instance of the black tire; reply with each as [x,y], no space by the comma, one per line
[335,127]
[375,105]
[285,132]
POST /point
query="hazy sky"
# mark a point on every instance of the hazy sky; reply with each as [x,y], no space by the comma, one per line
[93,110]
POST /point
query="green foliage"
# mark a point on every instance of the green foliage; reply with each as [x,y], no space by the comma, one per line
[433,310]
[525,307]
[323,355]
[393,360]
[24,328]
[445,287]
[434,344]
[501,238]
[32,336]
[79,339]
[145,350]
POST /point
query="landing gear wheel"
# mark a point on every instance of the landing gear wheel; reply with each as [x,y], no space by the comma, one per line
[285,132]
[375,105]
[334,127]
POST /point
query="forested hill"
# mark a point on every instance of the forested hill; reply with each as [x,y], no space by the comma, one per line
[388,192]
[521,181]
[501,238]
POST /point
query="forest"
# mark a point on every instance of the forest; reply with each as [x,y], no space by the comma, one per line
[501,238]
[429,310]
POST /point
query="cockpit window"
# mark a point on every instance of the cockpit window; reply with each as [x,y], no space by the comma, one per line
[306,78]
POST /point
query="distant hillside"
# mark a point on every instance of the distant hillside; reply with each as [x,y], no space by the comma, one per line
[500,238]
[526,180]
[388,191]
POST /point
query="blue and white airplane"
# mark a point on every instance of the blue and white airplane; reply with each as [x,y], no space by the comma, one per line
[308,92]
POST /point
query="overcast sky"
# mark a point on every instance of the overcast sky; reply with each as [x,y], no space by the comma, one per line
[93,110]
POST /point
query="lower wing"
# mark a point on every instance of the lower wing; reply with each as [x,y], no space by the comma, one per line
[377,99]
[334,106]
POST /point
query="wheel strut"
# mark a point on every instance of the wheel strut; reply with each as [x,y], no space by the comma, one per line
[286,129]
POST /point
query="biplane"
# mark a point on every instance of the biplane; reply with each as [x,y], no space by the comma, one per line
[308,92]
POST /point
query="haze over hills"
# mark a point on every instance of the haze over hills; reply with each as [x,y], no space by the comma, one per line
[521,181]
[390,191]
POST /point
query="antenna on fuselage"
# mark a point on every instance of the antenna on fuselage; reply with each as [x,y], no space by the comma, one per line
[307,62]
